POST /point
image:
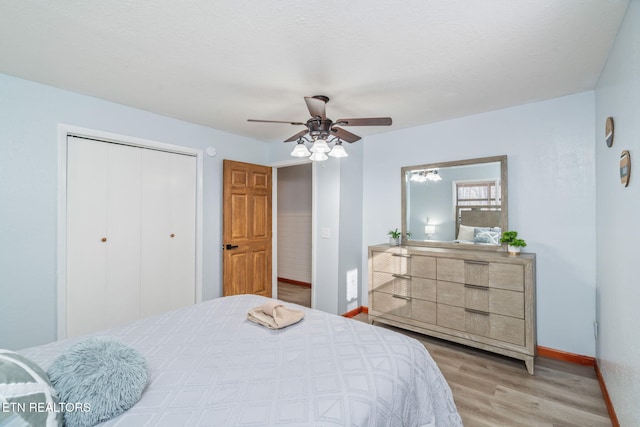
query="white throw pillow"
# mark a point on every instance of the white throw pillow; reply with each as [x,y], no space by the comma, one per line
[466,233]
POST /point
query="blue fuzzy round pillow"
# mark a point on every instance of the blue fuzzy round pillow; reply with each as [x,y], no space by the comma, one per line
[104,374]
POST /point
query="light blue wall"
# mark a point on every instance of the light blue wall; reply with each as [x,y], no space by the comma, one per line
[618,213]
[326,251]
[350,220]
[29,116]
[551,187]
[294,184]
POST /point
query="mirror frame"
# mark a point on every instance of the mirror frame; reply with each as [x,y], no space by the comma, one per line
[504,206]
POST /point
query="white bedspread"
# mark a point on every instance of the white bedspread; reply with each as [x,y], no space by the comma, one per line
[210,366]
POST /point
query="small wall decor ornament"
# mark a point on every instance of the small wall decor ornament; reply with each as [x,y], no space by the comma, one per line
[608,132]
[625,167]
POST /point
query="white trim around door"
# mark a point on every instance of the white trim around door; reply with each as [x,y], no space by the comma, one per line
[274,221]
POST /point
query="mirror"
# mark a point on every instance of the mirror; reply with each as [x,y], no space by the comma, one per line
[459,204]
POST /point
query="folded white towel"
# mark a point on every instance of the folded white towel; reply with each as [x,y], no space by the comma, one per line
[274,315]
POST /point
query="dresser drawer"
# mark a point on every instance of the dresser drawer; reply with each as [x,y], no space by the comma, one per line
[409,308]
[494,274]
[450,270]
[450,316]
[450,293]
[423,266]
[391,262]
[423,311]
[495,326]
[482,298]
[506,276]
[391,284]
[488,325]
[497,301]
[424,289]
[405,286]
[388,304]
[476,273]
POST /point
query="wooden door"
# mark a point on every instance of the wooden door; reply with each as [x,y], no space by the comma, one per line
[246,229]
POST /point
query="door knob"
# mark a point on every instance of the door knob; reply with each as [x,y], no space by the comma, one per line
[104,239]
[231,246]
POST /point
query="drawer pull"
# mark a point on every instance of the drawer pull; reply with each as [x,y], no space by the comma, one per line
[401,276]
[476,262]
[401,297]
[482,288]
[401,255]
[471,310]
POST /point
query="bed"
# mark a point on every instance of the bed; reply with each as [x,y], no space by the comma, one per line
[209,365]
[478,224]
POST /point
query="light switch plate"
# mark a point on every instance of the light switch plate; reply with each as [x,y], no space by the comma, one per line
[325,233]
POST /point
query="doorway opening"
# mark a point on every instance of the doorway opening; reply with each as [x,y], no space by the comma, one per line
[294,221]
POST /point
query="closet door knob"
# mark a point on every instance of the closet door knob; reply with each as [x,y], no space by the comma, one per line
[172,235]
[104,239]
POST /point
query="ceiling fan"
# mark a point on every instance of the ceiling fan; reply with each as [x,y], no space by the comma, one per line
[320,128]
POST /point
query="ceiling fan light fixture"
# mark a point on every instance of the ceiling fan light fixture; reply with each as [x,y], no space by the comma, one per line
[338,150]
[319,128]
[300,150]
[320,145]
[318,156]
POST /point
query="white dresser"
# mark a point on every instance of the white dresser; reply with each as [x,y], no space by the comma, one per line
[477,298]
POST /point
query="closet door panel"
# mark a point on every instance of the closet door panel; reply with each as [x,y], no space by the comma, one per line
[123,230]
[168,231]
[86,229]
[156,224]
[183,229]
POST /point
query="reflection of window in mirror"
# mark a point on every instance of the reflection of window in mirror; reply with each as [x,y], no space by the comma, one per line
[477,193]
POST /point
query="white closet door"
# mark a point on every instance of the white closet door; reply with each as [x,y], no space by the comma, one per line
[124,176]
[183,225]
[168,231]
[103,235]
[86,227]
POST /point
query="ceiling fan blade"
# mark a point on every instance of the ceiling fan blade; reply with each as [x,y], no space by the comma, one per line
[368,121]
[296,136]
[275,121]
[316,106]
[345,135]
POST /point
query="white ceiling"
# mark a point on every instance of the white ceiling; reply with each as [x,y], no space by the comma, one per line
[218,63]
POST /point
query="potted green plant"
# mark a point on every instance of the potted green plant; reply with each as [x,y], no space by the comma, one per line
[513,242]
[394,239]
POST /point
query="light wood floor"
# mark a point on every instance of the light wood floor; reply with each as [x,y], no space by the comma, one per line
[491,390]
[295,294]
